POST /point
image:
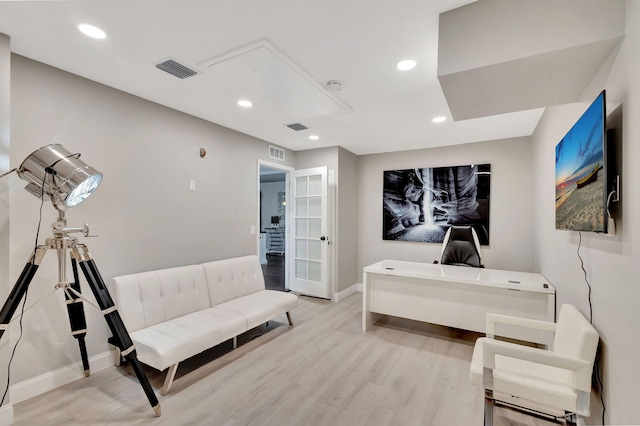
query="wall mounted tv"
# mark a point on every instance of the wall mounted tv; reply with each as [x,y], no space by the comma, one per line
[581,172]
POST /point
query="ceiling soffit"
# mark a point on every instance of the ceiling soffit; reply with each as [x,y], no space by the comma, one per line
[500,56]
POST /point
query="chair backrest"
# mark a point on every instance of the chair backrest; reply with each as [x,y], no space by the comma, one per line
[575,337]
[461,247]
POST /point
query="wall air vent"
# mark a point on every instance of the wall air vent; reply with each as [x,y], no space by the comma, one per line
[275,152]
[297,126]
[176,69]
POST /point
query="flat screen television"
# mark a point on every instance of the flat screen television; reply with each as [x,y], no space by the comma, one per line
[581,172]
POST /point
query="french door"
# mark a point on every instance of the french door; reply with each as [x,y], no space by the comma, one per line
[309,271]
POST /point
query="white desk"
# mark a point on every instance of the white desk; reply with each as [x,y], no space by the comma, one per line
[456,296]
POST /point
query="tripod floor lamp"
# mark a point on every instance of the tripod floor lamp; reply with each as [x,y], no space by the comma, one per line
[55,174]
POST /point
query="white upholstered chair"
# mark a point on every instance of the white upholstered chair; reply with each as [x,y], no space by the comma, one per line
[555,380]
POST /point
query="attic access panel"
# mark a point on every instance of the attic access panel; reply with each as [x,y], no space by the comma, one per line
[268,74]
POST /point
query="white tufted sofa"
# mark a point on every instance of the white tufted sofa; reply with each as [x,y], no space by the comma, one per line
[173,314]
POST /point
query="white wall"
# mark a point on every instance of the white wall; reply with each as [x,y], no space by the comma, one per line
[510,217]
[269,192]
[143,212]
[612,264]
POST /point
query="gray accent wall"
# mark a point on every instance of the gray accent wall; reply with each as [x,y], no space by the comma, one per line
[5,183]
[347,223]
[510,216]
[344,165]
[144,213]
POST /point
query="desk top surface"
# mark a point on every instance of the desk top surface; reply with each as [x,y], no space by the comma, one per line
[514,280]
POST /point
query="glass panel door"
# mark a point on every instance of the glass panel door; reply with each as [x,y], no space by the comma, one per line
[310,238]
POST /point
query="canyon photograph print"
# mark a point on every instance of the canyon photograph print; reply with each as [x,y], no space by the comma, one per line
[421,204]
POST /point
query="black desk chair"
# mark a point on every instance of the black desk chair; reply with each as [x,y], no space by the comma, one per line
[461,247]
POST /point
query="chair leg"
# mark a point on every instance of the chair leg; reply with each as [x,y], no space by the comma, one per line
[289,318]
[488,407]
[169,379]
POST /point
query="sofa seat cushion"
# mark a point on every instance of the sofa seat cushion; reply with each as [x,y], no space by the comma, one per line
[261,306]
[545,384]
[164,344]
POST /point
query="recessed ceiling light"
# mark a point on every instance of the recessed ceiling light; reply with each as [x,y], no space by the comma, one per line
[314,137]
[406,65]
[91,31]
[245,103]
[439,119]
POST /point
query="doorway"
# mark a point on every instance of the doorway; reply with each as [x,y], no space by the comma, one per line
[272,188]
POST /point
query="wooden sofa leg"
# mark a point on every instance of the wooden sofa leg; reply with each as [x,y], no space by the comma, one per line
[169,379]
[289,318]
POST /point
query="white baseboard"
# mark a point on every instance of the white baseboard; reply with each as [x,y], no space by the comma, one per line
[54,379]
[347,292]
[6,415]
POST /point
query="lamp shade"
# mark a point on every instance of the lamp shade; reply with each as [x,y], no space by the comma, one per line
[54,173]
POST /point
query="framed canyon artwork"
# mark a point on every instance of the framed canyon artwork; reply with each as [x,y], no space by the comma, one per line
[421,204]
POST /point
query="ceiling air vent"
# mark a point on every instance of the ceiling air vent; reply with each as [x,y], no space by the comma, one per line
[296,126]
[176,69]
[275,152]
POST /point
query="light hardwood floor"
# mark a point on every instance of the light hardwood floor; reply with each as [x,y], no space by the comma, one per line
[322,371]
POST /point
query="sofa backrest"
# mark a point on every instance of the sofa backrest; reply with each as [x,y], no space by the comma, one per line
[231,278]
[149,298]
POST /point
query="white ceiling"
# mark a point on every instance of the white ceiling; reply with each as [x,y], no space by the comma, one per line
[310,42]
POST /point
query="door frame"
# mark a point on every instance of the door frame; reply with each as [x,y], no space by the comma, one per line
[332,196]
[287,171]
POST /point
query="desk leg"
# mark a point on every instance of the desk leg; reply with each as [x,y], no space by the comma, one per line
[551,317]
[551,307]
[368,318]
